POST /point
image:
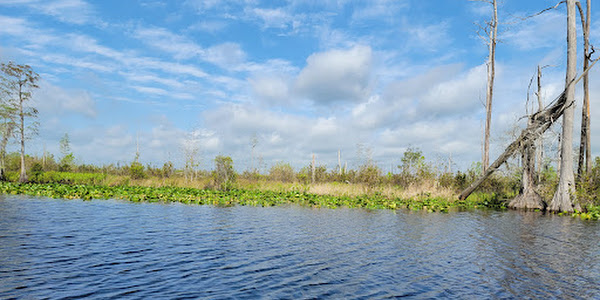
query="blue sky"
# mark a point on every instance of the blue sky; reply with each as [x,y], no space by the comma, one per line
[369,78]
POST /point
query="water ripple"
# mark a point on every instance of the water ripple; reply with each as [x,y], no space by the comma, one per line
[118,250]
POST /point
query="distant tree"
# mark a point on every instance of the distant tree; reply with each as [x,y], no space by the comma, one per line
[191,153]
[253,144]
[224,175]
[65,145]
[19,81]
[282,172]
[67,160]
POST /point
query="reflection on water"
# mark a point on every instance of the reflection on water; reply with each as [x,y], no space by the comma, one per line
[111,249]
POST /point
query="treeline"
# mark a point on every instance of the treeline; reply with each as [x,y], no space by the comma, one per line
[414,172]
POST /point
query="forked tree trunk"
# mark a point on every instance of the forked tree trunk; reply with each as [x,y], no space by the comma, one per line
[562,200]
[528,198]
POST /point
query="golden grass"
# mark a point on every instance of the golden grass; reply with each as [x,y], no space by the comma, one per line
[426,189]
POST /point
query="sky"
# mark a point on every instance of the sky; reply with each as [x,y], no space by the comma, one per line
[278,81]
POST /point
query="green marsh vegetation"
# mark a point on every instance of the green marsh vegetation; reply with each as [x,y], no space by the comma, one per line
[417,185]
[414,184]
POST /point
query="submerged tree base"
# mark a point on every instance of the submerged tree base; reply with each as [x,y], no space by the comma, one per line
[529,200]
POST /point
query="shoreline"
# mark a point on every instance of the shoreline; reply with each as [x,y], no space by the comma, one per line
[245,197]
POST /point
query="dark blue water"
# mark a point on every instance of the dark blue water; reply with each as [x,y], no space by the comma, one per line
[67,249]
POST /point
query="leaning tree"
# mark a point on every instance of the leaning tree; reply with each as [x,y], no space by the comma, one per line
[562,106]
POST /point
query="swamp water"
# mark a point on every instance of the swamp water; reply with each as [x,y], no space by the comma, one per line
[113,249]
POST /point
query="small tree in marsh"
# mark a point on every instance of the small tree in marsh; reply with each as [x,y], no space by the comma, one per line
[67,160]
[224,175]
[20,81]
[282,172]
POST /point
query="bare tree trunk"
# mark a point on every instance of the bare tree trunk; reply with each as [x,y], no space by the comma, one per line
[491,73]
[23,175]
[540,122]
[8,131]
[340,161]
[585,160]
[539,153]
[566,184]
[528,198]
[312,166]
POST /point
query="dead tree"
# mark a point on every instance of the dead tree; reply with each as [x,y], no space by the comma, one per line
[566,182]
[528,197]
[491,38]
[585,160]
[540,122]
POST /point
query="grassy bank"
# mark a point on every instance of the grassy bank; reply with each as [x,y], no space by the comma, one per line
[244,197]
[223,187]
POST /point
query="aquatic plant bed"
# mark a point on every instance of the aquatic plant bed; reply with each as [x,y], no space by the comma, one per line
[238,197]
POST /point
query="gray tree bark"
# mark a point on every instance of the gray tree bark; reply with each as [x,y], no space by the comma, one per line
[540,122]
[562,200]
[491,73]
[528,198]
[585,160]
[539,151]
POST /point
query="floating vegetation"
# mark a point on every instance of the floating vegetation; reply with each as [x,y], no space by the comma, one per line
[243,197]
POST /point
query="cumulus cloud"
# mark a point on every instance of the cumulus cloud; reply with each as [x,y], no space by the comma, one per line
[459,95]
[272,90]
[336,75]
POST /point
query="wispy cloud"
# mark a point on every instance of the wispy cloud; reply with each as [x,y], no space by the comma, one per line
[68,11]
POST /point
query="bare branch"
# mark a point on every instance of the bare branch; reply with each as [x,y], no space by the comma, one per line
[542,11]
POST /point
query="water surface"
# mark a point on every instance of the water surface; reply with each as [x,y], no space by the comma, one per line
[112,249]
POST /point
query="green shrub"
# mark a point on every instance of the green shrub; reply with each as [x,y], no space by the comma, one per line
[369,175]
[136,171]
[167,170]
[224,175]
[282,172]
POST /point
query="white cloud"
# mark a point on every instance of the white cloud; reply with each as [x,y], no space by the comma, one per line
[154,91]
[431,38]
[13,26]
[52,100]
[226,55]
[149,78]
[379,9]
[78,62]
[273,90]
[460,95]
[164,40]
[336,75]
[544,31]
[276,17]
[68,11]
[209,26]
